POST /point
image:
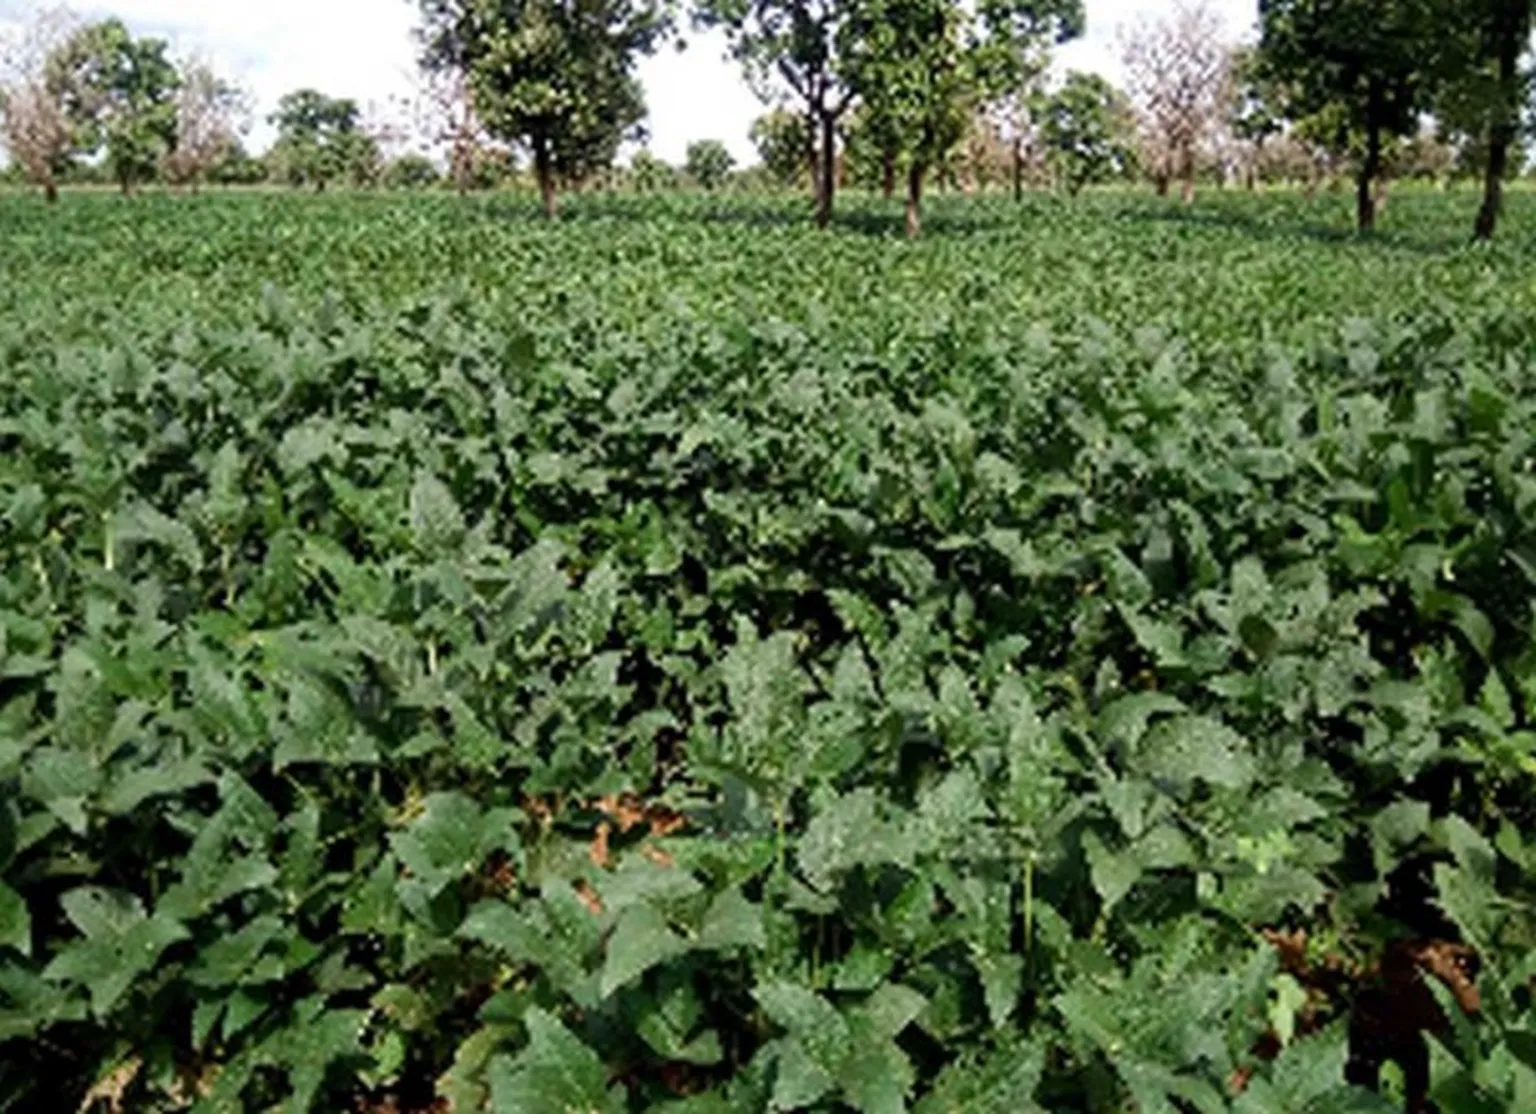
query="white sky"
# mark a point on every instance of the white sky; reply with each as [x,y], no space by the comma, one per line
[363,49]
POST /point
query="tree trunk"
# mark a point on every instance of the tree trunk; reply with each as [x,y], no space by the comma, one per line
[544,170]
[888,173]
[914,200]
[51,191]
[1161,182]
[826,169]
[1365,194]
[1501,136]
[461,169]
[1018,168]
[811,172]
[1493,184]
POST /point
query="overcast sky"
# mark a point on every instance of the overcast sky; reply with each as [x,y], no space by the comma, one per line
[363,49]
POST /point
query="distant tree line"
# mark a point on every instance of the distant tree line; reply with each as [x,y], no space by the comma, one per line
[903,92]
[887,94]
[90,102]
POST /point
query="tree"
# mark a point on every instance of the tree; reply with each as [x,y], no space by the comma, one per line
[319,139]
[410,172]
[650,174]
[211,113]
[236,166]
[34,116]
[553,75]
[1373,64]
[906,59]
[1084,127]
[1012,58]
[445,116]
[1254,113]
[709,163]
[794,43]
[782,139]
[871,148]
[120,93]
[1488,93]
[922,69]
[1176,68]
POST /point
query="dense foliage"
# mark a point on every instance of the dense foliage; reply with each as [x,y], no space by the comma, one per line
[553,76]
[320,140]
[120,92]
[630,665]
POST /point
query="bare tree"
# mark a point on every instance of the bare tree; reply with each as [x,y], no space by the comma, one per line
[1176,69]
[457,126]
[443,121]
[211,115]
[34,117]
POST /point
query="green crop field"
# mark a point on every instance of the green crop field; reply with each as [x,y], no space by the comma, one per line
[672,660]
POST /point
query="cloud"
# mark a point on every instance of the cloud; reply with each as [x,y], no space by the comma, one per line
[364,49]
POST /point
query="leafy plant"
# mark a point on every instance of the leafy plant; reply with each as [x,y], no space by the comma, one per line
[630,665]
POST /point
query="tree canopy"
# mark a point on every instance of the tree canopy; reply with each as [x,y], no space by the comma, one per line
[320,139]
[1085,126]
[1375,62]
[784,145]
[120,92]
[556,76]
[794,45]
[709,163]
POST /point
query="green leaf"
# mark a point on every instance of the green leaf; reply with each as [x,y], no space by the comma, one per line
[120,945]
[317,1039]
[1114,873]
[848,832]
[161,780]
[100,913]
[1002,978]
[1196,748]
[15,921]
[1395,829]
[1289,997]
[63,781]
[1472,851]
[1000,1080]
[1128,717]
[813,1021]
[451,838]
[226,961]
[947,815]
[1473,624]
[889,1010]
[800,1081]
[1473,903]
[1163,641]
[875,1075]
[641,940]
[555,1074]
[765,686]
[669,1018]
[437,523]
[1310,1075]
[731,921]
